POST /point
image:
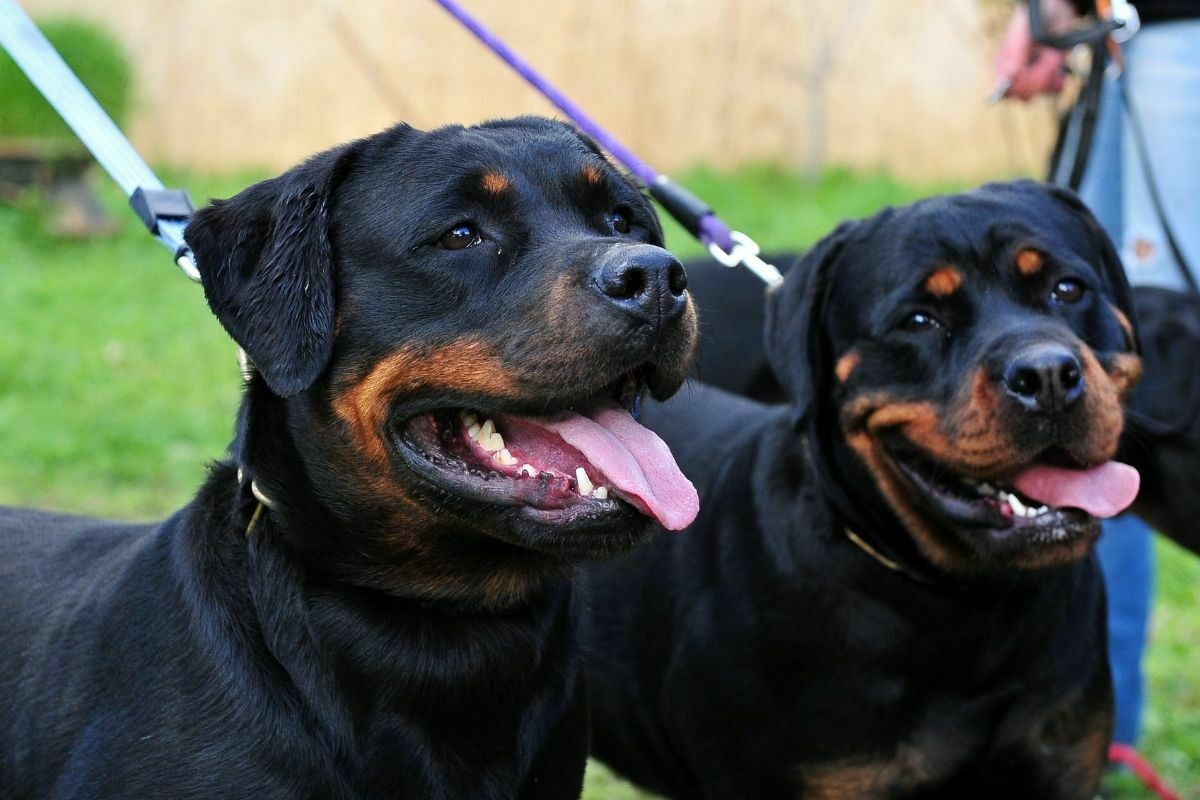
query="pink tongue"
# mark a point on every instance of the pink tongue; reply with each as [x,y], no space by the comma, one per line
[636,462]
[1102,491]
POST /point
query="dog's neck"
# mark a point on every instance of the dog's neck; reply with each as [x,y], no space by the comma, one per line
[340,654]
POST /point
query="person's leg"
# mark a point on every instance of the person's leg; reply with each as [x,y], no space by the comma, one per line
[1100,189]
[1126,553]
[1162,78]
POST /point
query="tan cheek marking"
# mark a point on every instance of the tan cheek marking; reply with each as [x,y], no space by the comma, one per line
[495,183]
[1029,262]
[845,365]
[871,452]
[468,366]
[943,282]
[865,419]
[592,174]
[978,443]
[1103,404]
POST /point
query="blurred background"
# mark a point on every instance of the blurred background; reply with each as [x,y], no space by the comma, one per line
[863,83]
[117,386]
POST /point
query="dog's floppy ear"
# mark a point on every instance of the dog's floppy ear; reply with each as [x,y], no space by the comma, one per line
[795,310]
[266,263]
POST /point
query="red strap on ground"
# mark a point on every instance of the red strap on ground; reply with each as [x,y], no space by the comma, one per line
[1125,755]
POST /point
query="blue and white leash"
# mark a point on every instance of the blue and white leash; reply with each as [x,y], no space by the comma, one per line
[164,211]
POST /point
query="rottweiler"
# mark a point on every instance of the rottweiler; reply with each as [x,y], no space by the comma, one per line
[890,590]
[372,596]
[1161,438]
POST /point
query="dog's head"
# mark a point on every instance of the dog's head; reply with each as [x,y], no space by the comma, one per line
[449,330]
[963,360]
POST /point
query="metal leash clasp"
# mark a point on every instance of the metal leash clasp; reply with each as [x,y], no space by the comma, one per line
[745,253]
[1124,13]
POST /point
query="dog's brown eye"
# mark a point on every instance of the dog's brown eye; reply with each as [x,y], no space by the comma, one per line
[1067,291]
[619,221]
[460,236]
[919,322]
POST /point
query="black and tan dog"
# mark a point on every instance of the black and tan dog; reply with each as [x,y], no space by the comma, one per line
[371,598]
[889,592]
[1161,438]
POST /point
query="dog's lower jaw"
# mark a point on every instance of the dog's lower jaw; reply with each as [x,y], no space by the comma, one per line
[973,553]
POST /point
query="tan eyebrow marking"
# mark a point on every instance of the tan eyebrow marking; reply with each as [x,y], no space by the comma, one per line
[495,183]
[943,281]
[1029,262]
[592,174]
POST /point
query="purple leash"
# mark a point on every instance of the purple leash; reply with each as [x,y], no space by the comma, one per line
[729,247]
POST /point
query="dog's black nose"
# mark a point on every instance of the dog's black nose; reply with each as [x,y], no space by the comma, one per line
[644,280]
[1046,378]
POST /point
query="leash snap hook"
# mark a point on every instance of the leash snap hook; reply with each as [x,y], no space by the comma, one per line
[1128,22]
[745,253]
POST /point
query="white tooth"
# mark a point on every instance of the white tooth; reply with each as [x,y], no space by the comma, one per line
[1040,510]
[485,431]
[504,457]
[527,470]
[493,443]
[473,430]
[1017,506]
[970,481]
[985,488]
[468,418]
[600,493]
[1060,533]
[583,481]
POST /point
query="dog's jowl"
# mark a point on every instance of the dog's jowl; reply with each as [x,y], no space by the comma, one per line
[371,597]
[890,591]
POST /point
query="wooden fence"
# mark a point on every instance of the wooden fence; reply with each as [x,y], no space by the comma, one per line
[893,84]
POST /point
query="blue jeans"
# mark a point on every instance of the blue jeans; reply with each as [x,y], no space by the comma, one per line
[1127,560]
[1162,76]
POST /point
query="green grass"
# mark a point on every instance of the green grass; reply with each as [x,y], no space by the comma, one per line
[117,387]
[93,54]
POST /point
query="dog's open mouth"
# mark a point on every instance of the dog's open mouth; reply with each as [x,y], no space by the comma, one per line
[589,459]
[1042,503]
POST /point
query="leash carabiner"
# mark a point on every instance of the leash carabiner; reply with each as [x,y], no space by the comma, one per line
[744,253]
[1127,19]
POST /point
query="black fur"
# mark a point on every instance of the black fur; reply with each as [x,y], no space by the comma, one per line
[762,654]
[373,632]
[1163,420]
